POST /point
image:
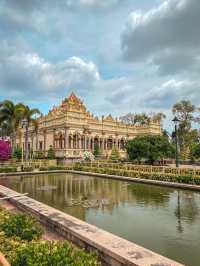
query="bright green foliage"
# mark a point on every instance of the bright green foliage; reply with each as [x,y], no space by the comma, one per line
[17,154]
[51,153]
[115,156]
[44,253]
[19,225]
[19,242]
[150,148]
[96,150]
[39,155]
[195,151]
[186,112]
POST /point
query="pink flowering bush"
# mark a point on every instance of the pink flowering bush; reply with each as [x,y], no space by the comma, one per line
[5,150]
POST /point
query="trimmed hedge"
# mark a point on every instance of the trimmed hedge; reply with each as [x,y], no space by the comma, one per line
[188,179]
[8,169]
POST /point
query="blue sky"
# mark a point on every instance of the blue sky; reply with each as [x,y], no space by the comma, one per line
[119,56]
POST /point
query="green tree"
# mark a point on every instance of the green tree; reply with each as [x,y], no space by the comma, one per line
[115,156]
[27,113]
[150,148]
[185,111]
[51,153]
[142,119]
[96,150]
[195,151]
[9,119]
[132,119]
[17,154]
[158,117]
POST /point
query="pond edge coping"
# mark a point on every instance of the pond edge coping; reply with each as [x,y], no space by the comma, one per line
[112,250]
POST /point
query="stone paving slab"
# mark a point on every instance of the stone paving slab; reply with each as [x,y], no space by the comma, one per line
[112,249]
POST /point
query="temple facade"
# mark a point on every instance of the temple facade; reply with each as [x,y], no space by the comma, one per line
[70,130]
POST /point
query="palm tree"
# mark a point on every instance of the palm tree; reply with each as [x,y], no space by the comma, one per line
[9,119]
[28,114]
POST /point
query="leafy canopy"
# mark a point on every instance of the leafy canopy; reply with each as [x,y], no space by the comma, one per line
[150,148]
[114,156]
[187,114]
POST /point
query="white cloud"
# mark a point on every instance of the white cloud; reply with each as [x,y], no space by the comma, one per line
[91,3]
[33,77]
[167,36]
[172,91]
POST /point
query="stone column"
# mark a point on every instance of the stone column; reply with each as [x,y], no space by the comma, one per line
[32,141]
[76,141]
[54,144]
[99,143]
[89,143]
[105,144]
[116,144]
[102,145]
[79,143]
[66,138]
[85,139]
[44,134]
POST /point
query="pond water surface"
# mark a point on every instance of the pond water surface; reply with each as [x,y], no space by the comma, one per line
[165,220]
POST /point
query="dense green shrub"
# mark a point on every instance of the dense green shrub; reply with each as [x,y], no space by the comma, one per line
[58,167]
[39,155]
[17,154]
[19,225]
[195,151]
[19,242]
[169,177]
[44,168]
[115,156]
[149,148]
[7,169]
[44,253]
[51,153]
[28,169]
[97,151]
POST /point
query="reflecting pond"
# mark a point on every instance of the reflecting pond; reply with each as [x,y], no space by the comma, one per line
[165,220]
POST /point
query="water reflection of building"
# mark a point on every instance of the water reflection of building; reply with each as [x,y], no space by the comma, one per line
[89,188]
[70,129]
[116,193]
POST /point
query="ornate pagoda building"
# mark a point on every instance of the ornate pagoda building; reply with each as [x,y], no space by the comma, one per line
[70,130]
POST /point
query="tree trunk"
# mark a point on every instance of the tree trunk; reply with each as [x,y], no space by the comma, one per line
[26,144]
[13,140]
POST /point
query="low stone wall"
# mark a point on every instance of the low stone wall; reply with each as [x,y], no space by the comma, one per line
[112,250]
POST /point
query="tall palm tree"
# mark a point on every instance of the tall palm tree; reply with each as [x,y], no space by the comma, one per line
[28,114]
[9,119]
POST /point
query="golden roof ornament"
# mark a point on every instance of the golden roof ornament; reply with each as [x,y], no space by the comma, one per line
[73,103]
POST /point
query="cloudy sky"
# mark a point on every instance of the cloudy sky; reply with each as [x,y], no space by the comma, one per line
[118,55]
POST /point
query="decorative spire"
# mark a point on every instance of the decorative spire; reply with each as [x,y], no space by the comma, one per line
[73,103]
